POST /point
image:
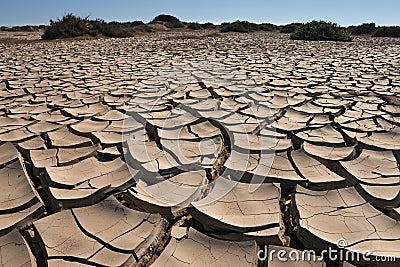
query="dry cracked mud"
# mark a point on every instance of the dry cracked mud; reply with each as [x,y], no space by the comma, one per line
[198,149]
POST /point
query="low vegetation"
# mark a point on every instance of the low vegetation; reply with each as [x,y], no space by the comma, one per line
[268,27]
[209,25]
[387,31]
[245,26]
[237,26]
[365,28]
[169,21]
[27,28]
[67,27]
[194,26]
[72,26]
[321,31]
[290,28]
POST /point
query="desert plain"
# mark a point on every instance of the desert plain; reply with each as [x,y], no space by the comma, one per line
[198,149]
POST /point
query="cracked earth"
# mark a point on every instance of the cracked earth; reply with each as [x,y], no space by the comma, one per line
[198,149]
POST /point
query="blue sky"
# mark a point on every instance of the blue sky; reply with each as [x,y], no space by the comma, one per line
[344,12]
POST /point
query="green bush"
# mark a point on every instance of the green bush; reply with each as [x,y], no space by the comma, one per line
[238,26]
[26,28]
[72,26]
[112,31]
[165,18]
[136,23]
[321,31]
[365,28]
[209,25]
[245,26]
[268,27]
[67,27]
[127,24]
[387,31]
[194,26]
[233,27]
[169,21]
[290,28]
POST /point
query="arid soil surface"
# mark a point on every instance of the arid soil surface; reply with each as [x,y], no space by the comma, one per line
[198,149]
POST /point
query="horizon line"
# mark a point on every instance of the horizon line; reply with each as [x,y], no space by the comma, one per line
[194,21]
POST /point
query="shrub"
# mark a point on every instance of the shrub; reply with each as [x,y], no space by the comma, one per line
[245,26]
[194,26]
[115,31]
[112,29]
[144,28]
[234,27]
[268,27]
[387,31]
[127,24]
[27,28]
[321,31]
[290,28]
[68,26]
[238,26]
[209,25]
[365,28]
[165,18]
[136,23]
[72,26]
[169,21]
